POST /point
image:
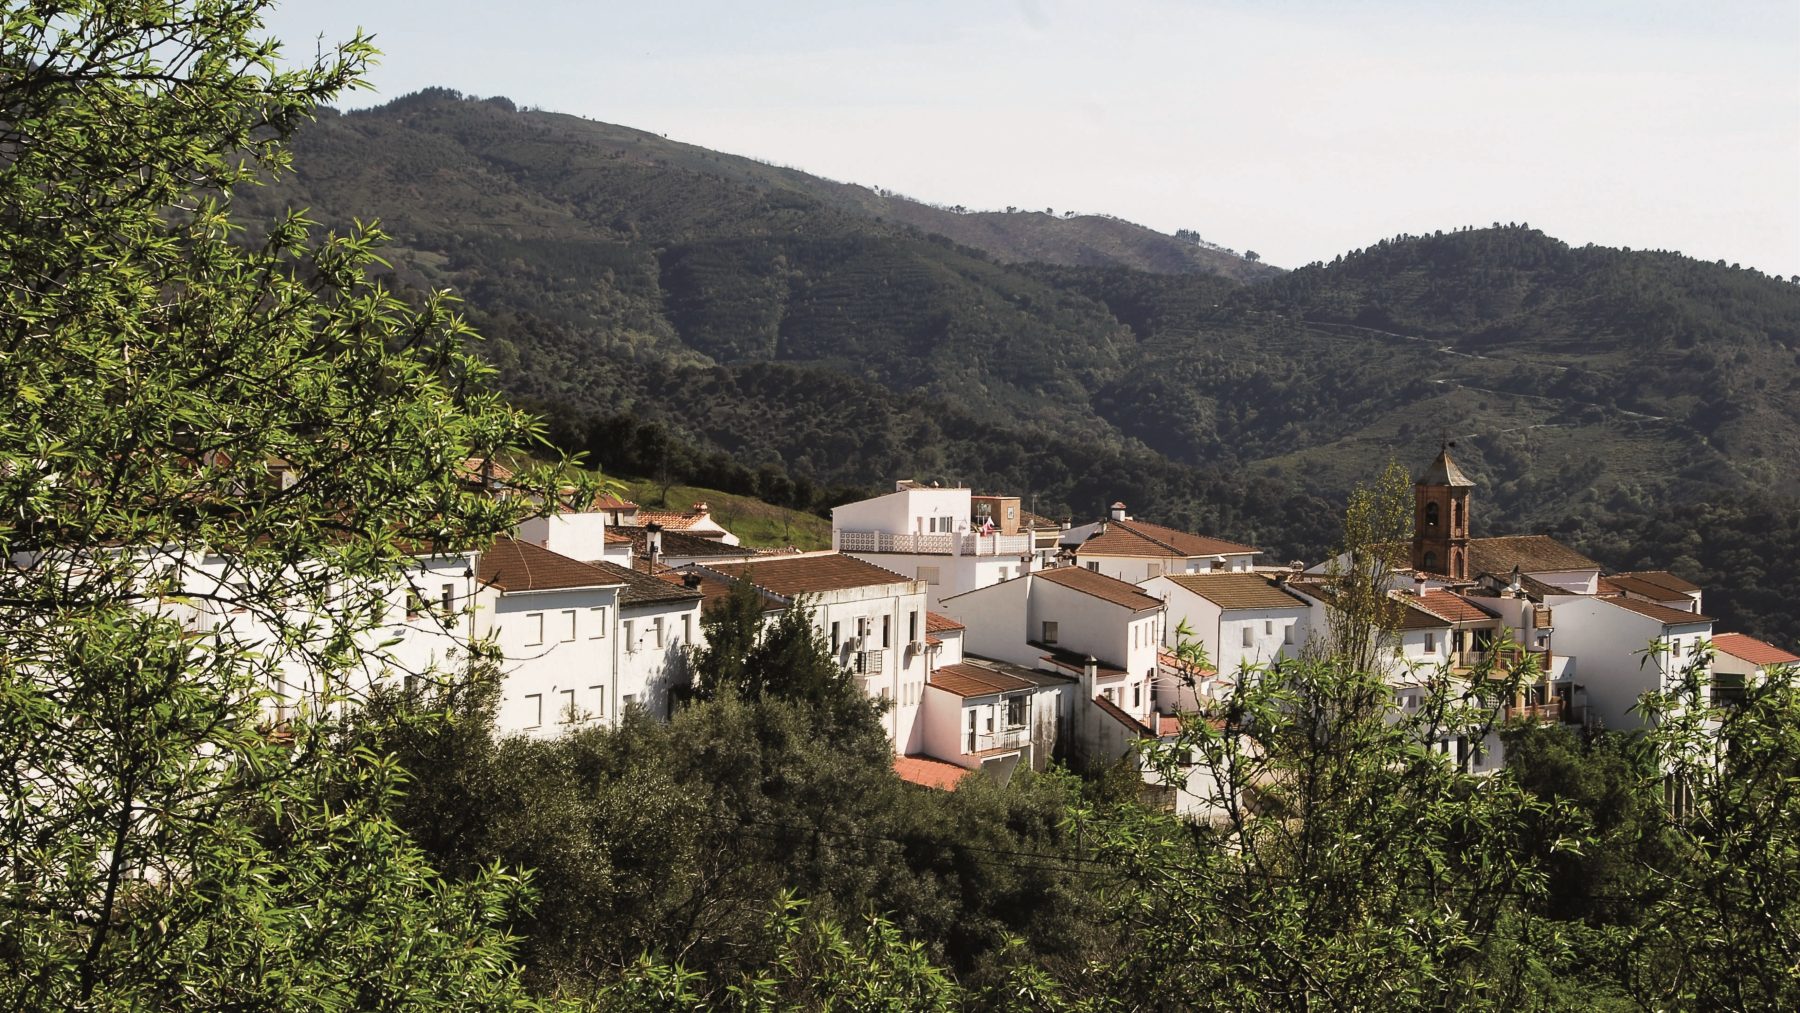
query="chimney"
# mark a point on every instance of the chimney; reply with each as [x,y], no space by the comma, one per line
[1091,669]
[653,543]
[691,580]
[701,509]
[1118,512]
[1418,587]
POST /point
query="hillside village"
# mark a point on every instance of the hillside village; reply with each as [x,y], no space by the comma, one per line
[996,638]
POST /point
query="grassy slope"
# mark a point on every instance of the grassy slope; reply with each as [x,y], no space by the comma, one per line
[757,523]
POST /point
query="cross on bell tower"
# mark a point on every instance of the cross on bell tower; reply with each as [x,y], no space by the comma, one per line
[1441,518]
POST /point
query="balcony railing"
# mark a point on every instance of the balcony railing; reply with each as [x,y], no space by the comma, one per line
[934,544]
[1008,738]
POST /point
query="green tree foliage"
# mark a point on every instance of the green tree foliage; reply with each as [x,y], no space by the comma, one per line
[661,851]
[750,655]
[163,845]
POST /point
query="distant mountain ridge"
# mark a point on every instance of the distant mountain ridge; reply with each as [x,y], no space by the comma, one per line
[822,337]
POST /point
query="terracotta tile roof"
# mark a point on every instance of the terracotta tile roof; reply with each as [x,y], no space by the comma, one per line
[679,544]
[1530,553]
[929,772]
[643,589]
[933,641]
[1238,590]
[607,501]
[1661,613]
[937,622]
[1666,579]
[1141,538]
[1099,585]
[1416,618]
[1131,724]
[1027,519]
[670,519]
[713,589]
[1750,649]
[1452,606]
[1443,471]
[512,565]
[972,680]
[471,469]
[1036,677]
[795,575]
[1168,724]
[1174,664]
[1626,584]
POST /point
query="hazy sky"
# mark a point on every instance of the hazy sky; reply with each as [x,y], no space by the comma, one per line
[1297,128]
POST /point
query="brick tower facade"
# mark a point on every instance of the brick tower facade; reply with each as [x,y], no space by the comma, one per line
[1441,519]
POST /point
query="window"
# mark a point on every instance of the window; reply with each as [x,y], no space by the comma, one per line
[1152,570]
[447,598]
[1049,632]
[1456,516]
[534,628]
[1249,636]
[687,628]
[629,701]
[414,603]
[886,622]
[1431,515]
[1137,694]
[1287,633]
[1430,643]
[630,631]
[928,574]
[837,640]
[568,625]
[1268,627]
[566,711]
[912,625]
[1108,694]
[659,633]
[597,623]
[534,709]
[598,693]
[1094,567]
[1016,711]
[1675,647]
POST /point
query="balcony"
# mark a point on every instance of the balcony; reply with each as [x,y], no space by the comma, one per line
[934,544]
[1009,738]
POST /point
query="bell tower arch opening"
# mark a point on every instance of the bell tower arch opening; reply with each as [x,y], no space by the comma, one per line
[1440,543]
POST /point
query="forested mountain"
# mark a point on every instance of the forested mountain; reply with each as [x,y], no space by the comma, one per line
[761,330]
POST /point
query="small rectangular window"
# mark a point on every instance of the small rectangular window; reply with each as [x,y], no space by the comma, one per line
[1049,632]
[886,622]
[1675,647]
[1137,694]
[912,625]
[1095,566]
[837,640]
[534,629]
[1430,643]
[598,695]
[1249,636]
[1287,633]
[534,709]
[1268,627]
[629,629]
[568,713]
[687,628]
[597,623]
[628,701]
[568,625]
[659,633]
[415,604]
[447,598]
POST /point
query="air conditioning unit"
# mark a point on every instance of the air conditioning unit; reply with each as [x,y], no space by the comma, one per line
[916,646]
[856,642]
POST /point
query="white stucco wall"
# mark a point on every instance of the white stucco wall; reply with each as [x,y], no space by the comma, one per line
[1607,642]
[648,673]
[558,648]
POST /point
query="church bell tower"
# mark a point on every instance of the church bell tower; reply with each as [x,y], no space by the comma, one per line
[1441,519]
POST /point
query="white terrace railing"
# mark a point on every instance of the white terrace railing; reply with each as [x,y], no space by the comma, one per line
[934,544]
